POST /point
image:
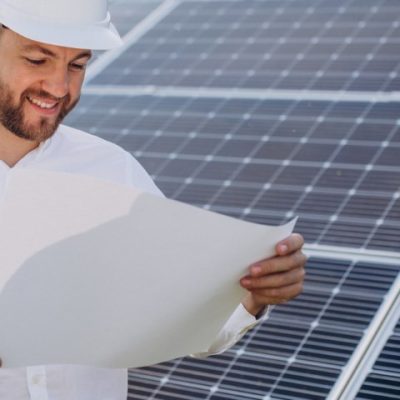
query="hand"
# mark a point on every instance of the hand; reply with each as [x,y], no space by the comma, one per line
[278,279]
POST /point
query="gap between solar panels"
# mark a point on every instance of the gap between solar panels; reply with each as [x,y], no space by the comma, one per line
[240,93]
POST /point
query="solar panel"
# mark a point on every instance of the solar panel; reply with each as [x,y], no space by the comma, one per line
[269,162]
[267,151]
[319,45]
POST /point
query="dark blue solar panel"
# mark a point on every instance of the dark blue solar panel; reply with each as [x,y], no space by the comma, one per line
[288,44]
[266,160]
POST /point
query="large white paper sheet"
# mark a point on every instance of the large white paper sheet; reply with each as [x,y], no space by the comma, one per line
[100,274]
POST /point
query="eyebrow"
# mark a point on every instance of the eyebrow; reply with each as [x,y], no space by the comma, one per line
[35,47]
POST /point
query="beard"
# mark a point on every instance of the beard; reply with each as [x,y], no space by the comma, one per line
[13,119]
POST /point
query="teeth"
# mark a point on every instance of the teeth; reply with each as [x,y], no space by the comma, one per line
[41,104]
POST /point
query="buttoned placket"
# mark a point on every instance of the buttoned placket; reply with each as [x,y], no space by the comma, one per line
[36,378]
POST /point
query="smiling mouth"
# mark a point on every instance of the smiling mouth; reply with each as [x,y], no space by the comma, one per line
[43,104]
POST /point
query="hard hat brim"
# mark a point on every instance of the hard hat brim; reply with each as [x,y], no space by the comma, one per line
[97,36]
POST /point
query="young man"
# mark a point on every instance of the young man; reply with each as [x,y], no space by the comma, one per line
[44,49]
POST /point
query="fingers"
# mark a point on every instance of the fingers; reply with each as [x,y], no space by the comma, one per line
[292,243]
[277,280]
[278,264]
[276,295]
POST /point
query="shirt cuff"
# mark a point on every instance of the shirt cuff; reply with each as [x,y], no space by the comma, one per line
[238,324]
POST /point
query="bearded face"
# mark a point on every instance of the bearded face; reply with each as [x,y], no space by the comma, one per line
[13,118]
[39,85]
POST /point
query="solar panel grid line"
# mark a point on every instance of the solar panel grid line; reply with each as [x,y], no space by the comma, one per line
[299,188]
[261,162]
[243,93]
[131,37]
[370,346]
[360,44]
[317,176]
[355,187]
[313,41]
[382,218]
[278,171]
[215,150]
[388,361]
[182,382]
[182,145]
[258,64]
[241,45]
[165,378]
[345,87]
[379,386]
[160,66]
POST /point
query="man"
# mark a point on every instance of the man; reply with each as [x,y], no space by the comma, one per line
[45,46]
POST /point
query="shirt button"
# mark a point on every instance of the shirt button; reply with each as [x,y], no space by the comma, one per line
[36,379]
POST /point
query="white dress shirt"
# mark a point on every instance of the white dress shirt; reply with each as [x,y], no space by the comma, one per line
[73,151]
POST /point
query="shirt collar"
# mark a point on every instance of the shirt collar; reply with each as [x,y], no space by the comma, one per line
[36,153]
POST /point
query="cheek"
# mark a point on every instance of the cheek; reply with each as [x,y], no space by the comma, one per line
[75,88]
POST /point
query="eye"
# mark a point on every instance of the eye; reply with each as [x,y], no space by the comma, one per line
[78,67]
[35,61]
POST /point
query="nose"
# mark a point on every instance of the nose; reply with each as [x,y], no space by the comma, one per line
[57,82]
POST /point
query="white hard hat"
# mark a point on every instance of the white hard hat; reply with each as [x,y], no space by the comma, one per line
[84,24]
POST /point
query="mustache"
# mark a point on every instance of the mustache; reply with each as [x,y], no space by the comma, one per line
[46,96]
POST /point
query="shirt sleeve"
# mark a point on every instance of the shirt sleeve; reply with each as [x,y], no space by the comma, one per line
[238,324]
[138,177]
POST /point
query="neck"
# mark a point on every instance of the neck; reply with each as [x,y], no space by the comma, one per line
[13,148]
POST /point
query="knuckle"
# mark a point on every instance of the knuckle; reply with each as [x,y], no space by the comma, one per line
[275,292]
[299,258]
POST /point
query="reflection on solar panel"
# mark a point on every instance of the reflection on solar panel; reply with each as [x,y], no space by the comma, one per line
[206,95]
